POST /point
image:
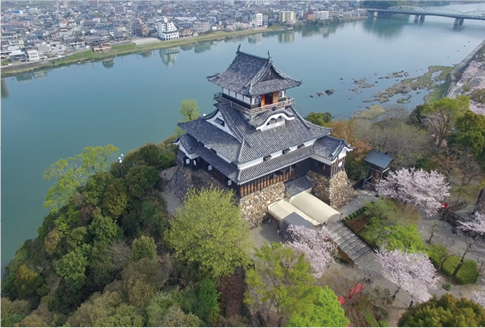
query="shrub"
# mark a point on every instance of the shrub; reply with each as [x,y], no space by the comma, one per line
[450,265]
[437,254]
[468,272]
[371,321]
[383,323]
[448,287]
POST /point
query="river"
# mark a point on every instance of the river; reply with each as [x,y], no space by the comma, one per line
[135,99]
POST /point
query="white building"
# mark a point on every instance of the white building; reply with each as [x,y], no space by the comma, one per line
[322,14]
[32,55]
[259,20]
[287,17]
[167,30]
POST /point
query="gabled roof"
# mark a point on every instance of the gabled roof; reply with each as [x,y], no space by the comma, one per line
[252,75]
[378,159]
[257,143]
[330,147]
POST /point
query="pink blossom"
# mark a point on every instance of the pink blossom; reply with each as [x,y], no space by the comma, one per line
[479,298]
[427,190]
[477,225]
[477,108]
[470,71]
[317,246]
[412,272]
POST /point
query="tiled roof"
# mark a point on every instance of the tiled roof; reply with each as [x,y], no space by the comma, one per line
[259,119]
[258,143]
[262,143]
[379,159]
[297,186]
[253,75]
[189,143]
[329,147]
[274,164]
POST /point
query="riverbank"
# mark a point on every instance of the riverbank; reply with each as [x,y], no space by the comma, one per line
[131,48]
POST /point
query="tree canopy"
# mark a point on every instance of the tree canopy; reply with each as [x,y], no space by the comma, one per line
[324,311]
[189,110]
[444,312]
[218,237]
[71,173]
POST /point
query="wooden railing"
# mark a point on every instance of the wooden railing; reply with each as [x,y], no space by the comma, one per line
[255,110]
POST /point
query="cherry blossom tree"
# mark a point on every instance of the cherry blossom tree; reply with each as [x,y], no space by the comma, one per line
[412,272]
[476,226]
[316,244]
[427,190]
[479,298]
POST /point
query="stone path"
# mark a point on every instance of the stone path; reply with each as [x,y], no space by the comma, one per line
[358,251]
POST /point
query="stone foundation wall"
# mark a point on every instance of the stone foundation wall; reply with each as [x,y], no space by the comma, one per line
[185,178]
[337,191]
[254,207]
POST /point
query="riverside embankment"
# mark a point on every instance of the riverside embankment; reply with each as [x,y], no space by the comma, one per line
[125,48]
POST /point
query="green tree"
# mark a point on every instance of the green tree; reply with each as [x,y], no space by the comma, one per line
[325,311]
[140,281]
[383,213]
[404,238]
[319,118]
[140,179]
[106,310]
[280,279]
[103,228]
[218,237]
[159,305]
[115,198]
[208,296]
[72,266]
[441,117]
[76,238]
[175,317]
[95,186]
[189,110]
[143,247]
[444,312]
[14,312]
[27,281]
[71,173]
[52,242]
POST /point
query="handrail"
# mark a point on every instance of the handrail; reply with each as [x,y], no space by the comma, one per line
[251,111]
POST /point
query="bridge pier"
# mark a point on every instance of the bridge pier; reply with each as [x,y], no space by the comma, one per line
[416,18]
[458,22]
[421,18]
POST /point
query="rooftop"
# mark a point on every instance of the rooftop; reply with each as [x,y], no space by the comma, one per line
[252,76]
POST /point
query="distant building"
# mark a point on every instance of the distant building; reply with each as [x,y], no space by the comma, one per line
[309,15]
[287,17]
[167,30]
[186,32]
[119,9]
[201,27]
[94,3]
[32,55]
[322,14]
[140,29]
[259,20]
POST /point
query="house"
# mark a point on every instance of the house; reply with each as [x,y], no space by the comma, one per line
[255,141]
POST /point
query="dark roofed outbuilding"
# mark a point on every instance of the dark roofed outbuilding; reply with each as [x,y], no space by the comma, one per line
[377,164]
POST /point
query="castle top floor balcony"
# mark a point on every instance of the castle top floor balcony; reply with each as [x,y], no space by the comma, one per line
[254,109]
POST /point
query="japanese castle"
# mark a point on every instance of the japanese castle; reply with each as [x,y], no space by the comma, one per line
[255,138]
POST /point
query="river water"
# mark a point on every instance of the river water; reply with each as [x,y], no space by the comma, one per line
[135,99]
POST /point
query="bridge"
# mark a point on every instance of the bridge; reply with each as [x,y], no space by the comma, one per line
[421,13]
